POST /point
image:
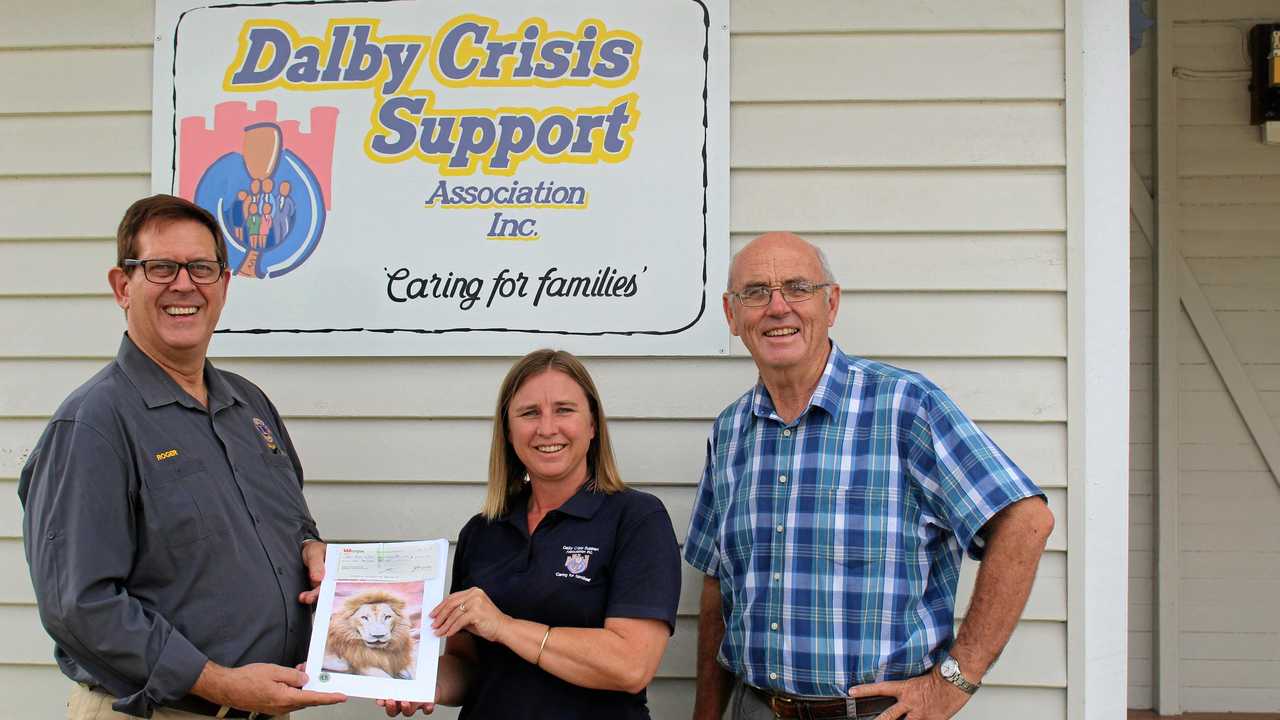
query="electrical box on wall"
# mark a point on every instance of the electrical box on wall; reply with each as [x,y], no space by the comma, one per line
[1264,87]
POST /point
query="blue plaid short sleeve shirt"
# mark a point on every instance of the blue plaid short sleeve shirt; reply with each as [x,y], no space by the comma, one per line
[838,538]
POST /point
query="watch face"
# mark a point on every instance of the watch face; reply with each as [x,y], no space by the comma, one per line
[949,667]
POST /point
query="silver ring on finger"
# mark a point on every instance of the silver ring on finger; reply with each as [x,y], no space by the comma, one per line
[462,607]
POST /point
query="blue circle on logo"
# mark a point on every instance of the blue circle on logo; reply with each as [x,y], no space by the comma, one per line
[293,225]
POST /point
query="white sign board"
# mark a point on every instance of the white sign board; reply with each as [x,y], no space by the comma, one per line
[404,177]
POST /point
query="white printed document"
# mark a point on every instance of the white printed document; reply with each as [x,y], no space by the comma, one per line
[371,636]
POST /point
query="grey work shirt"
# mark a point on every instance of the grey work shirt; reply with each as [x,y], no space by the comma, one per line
[160,534]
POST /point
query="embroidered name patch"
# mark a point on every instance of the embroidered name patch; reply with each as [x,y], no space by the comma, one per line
[166,455]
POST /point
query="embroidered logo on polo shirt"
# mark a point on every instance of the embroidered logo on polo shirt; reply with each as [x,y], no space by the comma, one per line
[265,432]
[166,455]
[576,560]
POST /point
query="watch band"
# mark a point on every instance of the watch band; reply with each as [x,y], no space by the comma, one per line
[950,671]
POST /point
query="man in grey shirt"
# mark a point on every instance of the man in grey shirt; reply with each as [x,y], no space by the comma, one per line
[165,527]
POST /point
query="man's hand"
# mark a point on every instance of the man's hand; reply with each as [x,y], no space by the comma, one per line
[261,687]
[715,684]
[927,697]
[313,557]
[396,707]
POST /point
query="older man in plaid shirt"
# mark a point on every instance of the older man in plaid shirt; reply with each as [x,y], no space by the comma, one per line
[838,498]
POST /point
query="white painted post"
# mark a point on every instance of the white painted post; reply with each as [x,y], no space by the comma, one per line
[1097,126]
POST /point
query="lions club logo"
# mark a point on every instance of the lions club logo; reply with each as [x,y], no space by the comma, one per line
[266,182]
[265,433]
[576,563]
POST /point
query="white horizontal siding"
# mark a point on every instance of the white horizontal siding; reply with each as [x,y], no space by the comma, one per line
[944,261]
[940,261]
[456,450]
[1227,150]
[1047,601]
[913,134]
[885,201]
[772,68]
[89,80]
[1032,639]
[1025,200]
[925,325]
[73,144]
[787,135]
[80,266]
[920,143]
[437,388]
[99,203]
[1227,187]
[71,22]
[897,66]
[130,22]
[409,511]
[829,16]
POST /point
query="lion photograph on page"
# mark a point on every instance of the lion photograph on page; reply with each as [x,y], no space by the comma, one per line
[374,629]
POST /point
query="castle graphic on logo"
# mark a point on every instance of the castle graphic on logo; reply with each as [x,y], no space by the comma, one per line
[266,182]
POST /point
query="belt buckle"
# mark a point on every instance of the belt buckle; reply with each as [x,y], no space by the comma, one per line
[850,707]
[775,700]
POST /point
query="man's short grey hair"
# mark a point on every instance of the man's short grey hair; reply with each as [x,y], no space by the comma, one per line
[827,275]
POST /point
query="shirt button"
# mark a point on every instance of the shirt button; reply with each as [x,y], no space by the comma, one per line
[786,433]
[779,527]
[773,626]
[279,571]
[773,676]
[782,478]
[777,576]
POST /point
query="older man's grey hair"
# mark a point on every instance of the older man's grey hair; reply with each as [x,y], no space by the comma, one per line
[827,275]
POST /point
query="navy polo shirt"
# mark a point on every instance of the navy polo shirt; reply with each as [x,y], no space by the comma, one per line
[597,556]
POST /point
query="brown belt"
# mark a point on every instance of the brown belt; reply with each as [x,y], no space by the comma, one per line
[199,706]
[786,706]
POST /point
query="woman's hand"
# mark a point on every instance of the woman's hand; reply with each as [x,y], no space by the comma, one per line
[313,559]
[397,707]
[471,610]
[451,681]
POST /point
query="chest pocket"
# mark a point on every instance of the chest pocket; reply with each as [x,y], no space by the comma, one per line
[174,493]
[579,590]
[279,487]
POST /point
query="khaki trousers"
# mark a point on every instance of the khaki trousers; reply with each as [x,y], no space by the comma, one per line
[86,704]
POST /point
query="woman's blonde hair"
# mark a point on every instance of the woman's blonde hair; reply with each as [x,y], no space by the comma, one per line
[506,472]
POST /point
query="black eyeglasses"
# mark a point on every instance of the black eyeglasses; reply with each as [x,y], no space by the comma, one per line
[163,272]
[793,291]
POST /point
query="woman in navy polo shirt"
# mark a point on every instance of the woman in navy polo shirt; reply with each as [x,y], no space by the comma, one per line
[565,585]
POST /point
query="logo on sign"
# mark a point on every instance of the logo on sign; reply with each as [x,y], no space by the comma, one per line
[265,182]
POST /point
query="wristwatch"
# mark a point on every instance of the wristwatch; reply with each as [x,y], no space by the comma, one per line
[950,671]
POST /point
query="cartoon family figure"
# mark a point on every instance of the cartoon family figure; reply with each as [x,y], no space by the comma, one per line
[264,212]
